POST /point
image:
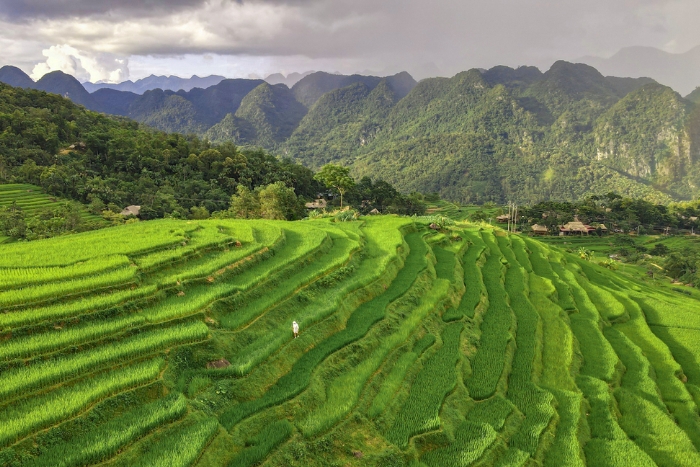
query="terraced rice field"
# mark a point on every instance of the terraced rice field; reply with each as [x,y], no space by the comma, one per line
[31,199]
[169,343]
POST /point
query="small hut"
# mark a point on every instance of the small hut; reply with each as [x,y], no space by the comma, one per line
[374,212]
[320,203]
[539,230]
[503,218]
[575,227]
[131,211]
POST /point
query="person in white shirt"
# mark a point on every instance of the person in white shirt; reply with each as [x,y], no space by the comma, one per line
[295,329]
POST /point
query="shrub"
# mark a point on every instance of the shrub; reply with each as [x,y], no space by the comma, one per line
[346,216]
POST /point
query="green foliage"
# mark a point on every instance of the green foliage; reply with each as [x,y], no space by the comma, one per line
[39,412]
[489,361]
[445,266]
[258,447]
[266,117]
[337,177]
[433,383]
[27,213]
[499,130]
[346,216]
[437,219]
[114,435]
[17,381]
[357,326]
[659,250]
[180,446]
[546,359]
[474,436]
[245,204]
[117,163]
[279,202]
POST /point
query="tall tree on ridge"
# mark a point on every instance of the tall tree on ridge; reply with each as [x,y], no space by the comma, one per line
[336,176]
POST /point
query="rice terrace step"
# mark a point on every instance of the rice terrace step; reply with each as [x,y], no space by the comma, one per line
[474,347]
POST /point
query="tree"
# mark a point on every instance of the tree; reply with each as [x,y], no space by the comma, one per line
[244,204]
[12,221]
[660,250]
[336,176]
[199,212]
[277,201]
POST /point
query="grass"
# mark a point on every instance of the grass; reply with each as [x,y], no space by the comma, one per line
[357,326]
[303,274]
[207,237]
[110,438]
[36,344]
[566,448]
[445,266]
[21,277]
[179,446]
[391,384]
[473,436]
[266,336]
[56,290]
[438,377]
[258,447]
[129,239]
[534,402]
[201,296]
[29,415]
[23,317]
[42,374]
[545,359]
[489,361]
[344,392]
[473,279]
[31,197]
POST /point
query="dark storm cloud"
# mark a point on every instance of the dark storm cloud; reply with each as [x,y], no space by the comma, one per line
[43,9]
[383,34]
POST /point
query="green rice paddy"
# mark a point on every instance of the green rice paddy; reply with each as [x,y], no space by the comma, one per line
[169,343]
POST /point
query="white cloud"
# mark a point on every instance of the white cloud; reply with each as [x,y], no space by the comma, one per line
[261,36]
[85,66]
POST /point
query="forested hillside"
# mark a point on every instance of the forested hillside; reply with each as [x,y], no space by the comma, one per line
[514,134]
[110,163]
[266,117]
[494,135]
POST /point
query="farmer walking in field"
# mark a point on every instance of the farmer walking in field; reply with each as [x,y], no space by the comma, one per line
[295,329]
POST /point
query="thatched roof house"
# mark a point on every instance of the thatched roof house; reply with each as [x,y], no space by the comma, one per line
[575,227]
[539,229]
[131,210]
[503,218]
[320,203]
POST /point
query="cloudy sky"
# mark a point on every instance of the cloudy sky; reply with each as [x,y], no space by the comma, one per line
[128,39]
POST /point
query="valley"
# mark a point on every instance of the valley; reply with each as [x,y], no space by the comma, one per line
[483,135]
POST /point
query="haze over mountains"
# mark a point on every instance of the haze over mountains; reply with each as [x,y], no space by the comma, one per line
[679,71]
[172,83]
[481,135]
[175,83]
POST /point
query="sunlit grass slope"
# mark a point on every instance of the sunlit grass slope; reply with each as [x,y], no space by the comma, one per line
[32,198]
[169,343]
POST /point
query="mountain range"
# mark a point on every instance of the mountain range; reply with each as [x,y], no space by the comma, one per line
[175,83]
[483,135]
[170,83]
[679,71]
